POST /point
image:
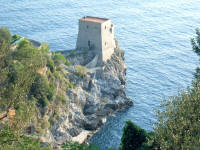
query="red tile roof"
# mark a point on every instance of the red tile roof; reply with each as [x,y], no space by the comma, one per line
[94,19]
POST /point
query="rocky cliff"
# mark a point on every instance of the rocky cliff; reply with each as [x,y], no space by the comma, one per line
[97,93]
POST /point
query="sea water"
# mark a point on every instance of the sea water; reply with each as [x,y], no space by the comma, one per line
[155,35]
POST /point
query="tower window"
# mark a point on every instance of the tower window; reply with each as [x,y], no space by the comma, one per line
[89,43]
[105,27]
[110,30]
[105,43]
[87,26]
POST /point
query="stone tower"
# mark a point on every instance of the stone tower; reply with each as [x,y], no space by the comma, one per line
[97,35]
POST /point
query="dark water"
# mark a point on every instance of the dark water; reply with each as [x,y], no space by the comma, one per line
[154,34]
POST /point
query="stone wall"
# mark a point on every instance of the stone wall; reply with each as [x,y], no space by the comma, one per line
[98,38]
[90,31]
[108,43]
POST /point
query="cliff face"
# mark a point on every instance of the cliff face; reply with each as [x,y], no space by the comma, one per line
[98,92]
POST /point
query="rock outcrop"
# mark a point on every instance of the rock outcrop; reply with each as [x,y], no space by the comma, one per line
[98,92]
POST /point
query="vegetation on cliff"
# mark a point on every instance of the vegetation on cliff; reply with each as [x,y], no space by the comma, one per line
[28,79]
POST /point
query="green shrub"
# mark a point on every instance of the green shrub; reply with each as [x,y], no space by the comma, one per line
[21,89]
[56,75]
[10,140]
[76,146]
[14,38]
[61,99]
[53,119]
[70,85]
[5,35]
[45,124]
[67,62]
[196,42]
[59,59]
[80,71]
[51,65]
[42,90]
[133,137]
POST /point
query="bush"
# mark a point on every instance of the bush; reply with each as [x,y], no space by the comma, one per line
[42,90]
[67,62]
[56,75]
[21,88]
[196,42]
[80,71]
[15,36]
[59,59]
[70,85]
[51,65]
[76,146]
[45,124]
[62,99]
[133,137]
[10,140]
[5,35]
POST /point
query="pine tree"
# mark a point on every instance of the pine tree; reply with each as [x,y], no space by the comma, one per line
[133,137]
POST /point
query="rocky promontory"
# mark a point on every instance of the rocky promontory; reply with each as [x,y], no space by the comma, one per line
[98,92]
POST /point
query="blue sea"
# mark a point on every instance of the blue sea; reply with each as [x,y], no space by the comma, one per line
[155,35]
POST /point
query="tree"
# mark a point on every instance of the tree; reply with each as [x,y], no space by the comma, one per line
[133,137]
[178,120]
[196,48]
[196,42]
[5,35]
[18,69]
[41,90]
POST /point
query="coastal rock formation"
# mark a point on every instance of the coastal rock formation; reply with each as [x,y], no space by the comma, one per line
[98,92]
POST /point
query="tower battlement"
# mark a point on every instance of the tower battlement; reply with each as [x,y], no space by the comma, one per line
[97,35]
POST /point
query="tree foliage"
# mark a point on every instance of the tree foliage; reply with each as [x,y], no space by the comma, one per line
[18,72]
[196,42]
[77,146]
[10,140]
[42,90]
[133,137]
[178,125]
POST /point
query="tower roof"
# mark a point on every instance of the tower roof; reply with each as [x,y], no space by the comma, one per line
[94,19]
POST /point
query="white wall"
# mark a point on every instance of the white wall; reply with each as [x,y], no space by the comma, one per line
[108,42]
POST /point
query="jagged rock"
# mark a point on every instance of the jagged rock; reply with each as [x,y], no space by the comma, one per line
[89,109]
[93,123]
[99,94]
